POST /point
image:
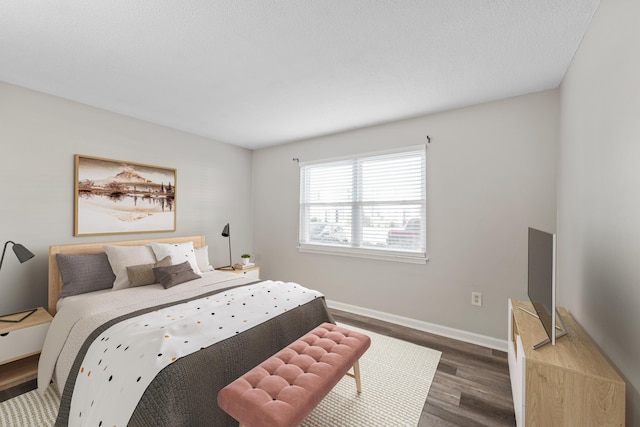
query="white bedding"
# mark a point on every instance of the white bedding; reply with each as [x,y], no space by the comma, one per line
[79,316]
[62,301]
[124,359]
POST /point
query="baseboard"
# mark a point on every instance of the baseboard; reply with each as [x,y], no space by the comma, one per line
[432,328]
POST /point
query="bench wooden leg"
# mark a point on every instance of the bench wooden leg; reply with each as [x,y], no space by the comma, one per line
[356,376]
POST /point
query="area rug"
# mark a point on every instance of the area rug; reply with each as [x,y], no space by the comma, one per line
[30,409]
[396,376]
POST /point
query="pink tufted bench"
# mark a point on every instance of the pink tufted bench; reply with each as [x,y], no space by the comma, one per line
[286,387]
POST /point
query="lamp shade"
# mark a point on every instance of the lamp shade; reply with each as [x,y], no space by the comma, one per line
[225,231]
[22,253]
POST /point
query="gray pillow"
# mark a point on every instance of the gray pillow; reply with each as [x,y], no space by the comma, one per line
[175,274]
[82,273]
[140,275]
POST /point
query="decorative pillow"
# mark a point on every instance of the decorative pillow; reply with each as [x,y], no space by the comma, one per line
[140,275]
[202,258]
[175,274]
[82,273]
[121,257]
[178,252]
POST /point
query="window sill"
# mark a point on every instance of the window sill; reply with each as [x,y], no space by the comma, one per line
[405,257]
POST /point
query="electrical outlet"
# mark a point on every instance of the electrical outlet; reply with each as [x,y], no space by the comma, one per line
[476,299]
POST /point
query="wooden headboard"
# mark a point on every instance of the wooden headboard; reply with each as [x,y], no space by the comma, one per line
[55,279]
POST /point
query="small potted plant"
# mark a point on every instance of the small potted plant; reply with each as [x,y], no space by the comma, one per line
[245,258]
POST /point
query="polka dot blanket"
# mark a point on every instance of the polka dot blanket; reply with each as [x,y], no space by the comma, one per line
[124,359]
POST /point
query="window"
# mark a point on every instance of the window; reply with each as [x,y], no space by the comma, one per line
[369,206]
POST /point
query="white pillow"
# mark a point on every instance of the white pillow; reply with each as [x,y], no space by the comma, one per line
[179,253]
[121,257]
[202,258]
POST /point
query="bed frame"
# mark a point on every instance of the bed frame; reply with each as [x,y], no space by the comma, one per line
[55,279]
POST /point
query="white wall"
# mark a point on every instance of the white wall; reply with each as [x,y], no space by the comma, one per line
[490,175]
[599,189]
[39,135]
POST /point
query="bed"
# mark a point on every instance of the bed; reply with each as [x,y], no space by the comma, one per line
[223,325]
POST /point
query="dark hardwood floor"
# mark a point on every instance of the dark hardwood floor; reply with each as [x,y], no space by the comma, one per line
[17,390]
[471,386]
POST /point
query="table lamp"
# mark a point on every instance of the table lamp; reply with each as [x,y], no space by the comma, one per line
[227,233]
[23,255]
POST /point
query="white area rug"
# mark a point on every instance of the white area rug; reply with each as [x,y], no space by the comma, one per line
[396,377]
[30,409]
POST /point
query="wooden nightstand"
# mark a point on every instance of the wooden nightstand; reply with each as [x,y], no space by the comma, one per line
[20,346]
[252,273]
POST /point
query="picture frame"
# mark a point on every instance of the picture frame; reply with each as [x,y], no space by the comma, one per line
[120,197]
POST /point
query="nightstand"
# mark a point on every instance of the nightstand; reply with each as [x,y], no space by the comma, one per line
[20,346]
[252,273]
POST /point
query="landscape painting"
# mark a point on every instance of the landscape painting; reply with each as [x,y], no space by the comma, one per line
[115,196]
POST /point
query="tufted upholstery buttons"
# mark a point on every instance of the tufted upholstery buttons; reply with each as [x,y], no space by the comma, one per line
[285,388]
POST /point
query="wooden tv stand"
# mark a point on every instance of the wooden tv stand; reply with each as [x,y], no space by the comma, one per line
[569,384]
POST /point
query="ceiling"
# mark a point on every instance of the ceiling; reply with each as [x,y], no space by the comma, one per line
[257,73]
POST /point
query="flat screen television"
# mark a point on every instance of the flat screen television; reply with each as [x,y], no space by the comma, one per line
[541,283]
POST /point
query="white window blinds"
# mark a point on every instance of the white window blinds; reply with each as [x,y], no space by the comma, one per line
[373,205]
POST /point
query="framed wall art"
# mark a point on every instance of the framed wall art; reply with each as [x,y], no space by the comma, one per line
[117,197]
